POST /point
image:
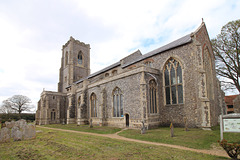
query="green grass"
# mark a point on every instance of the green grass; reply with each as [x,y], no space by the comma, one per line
[52,145]
[194,138]
[85,128]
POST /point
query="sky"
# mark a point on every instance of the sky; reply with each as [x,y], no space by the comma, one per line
[32,33]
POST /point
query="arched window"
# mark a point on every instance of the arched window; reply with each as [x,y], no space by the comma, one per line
[173,82]
[53,115]
[80,58]
[117,103]
[66,59]
[152,97]
[93,100]
[148,64]
[79,100]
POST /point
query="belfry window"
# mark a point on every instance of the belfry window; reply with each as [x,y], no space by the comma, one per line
[117,103]
[66,59]
[173,82]
[152,97]
[80,58]
[93,100]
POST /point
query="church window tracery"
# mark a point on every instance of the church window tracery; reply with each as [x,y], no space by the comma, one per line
[152,97]
[93,100]
[173,82]
[53,115]
[80,58]
[117,103]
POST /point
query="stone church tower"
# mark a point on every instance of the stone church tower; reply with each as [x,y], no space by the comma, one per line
[75,63]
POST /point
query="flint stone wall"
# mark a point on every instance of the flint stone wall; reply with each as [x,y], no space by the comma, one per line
[17,131]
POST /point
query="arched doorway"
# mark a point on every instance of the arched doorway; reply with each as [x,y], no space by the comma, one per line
[127,120]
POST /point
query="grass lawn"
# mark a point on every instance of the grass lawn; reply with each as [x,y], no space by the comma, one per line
[194,138]
[85,128]
[52,145]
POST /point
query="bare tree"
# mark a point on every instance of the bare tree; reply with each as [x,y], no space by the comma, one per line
[226,48]
[6,108]
[18,103]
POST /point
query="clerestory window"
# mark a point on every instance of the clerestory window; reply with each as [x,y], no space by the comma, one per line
[173,82]
[80,58]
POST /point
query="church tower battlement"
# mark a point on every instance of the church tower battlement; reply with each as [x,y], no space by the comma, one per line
[75,63]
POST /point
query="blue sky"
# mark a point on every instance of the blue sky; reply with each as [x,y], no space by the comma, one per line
[33,32]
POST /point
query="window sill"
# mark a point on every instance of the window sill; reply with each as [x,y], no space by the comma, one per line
[170,105]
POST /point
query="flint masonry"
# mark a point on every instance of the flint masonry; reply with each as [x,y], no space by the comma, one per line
[174,83]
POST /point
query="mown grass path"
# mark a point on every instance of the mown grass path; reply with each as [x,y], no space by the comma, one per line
[221,153]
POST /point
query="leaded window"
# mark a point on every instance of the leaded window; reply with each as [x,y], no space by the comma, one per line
[152,97]
[53,115]
[93,100]
[117,103]
[80,58]
[173,82]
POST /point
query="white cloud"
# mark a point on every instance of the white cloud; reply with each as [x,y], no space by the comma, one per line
[32,33]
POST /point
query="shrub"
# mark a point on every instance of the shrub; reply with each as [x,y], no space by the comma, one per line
[232,149]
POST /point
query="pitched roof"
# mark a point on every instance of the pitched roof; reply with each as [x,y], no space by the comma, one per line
[179,42]
[229,99]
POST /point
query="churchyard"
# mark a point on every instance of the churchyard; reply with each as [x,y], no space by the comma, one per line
[53,144]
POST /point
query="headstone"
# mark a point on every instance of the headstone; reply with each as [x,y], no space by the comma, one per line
[185,124]
[29,131]
[3,125]
[10,125]
[16,134]
[172,130]
[21,123]
[5,135]
[17,131]
[143,129]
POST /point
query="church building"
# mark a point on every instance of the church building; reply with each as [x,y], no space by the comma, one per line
[174,83]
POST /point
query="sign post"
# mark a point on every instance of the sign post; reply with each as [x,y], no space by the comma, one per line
[229,123]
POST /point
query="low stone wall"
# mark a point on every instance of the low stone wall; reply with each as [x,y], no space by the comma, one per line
[17,131]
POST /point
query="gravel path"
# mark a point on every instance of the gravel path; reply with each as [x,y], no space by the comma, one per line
[215,152]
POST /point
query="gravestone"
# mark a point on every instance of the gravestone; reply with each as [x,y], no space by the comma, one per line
[5,135]
[17,131]
[143,129]
[16,134]
[3,125]
[29,131]
[10,125]
[172,130]
[21,123]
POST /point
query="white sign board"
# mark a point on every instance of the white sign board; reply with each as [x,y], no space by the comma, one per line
[231,125]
